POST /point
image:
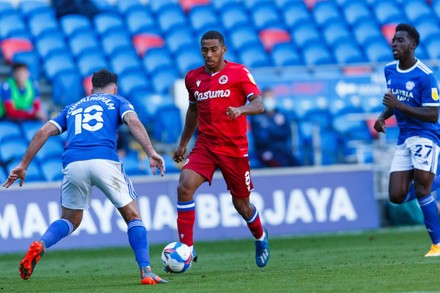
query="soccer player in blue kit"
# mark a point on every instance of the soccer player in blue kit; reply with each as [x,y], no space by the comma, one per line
[413,98]
[90,159]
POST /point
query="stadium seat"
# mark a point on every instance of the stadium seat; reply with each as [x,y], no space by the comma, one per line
[254,57]
[306,35]
[9,131]
[202,18]
[356,11]
[388,12]
[52,149]
[30,7]
[133,167]
[367,32]
[296,14]
[146,104]
[326,12]
[180,39]
[348,52]
[171,18]
[435,7]
[124,62]
[52,169]
[11,46]
[317,55]
[48,45]
[43,23]
[33,172]
[265,15]
[388,31]
[107,22]
[12,150]
[417,10]
[13,26]
[84,42]
[428,30]
[187,60]
[157,59]
[116,42]
[271,37]
[220,5]
[31,59]
[243,37]
[172,167]
[253,4]
[168,124]
[163,80]
[378,52]
[188,5]
[335,33]
[133,81]
[433,50]
[58,63]
[330,146]
[160,5]
[90,62]
[74,23]
[29,128]
[3,175]
[234,16]
[144,42]
[285,54]
[67,88]
[126,6]
[6,8]
[140,21]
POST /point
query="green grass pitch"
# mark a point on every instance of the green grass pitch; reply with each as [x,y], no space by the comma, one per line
[387,260]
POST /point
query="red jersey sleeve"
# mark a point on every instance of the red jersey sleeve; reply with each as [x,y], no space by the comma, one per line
[248,84]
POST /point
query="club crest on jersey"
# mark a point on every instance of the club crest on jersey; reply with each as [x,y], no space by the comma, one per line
[223,79]
[410,85]
[434,94]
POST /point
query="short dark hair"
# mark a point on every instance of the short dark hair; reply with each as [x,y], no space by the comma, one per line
[213,35]
[412,31]
[103,77]
[18,65]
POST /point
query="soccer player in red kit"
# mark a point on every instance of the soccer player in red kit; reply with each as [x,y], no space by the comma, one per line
[221,93]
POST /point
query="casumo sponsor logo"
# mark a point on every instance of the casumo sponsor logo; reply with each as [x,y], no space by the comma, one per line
[212,94]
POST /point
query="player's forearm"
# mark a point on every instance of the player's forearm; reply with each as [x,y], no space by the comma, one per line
[255,106]
[427,114]
[387,113]
[191,123]
[38,140]
[140,134]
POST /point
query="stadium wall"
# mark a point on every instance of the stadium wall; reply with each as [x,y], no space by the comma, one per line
[291,201]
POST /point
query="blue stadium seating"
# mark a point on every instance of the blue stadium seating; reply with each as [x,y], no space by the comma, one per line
[356,11]
[428,29]
[133,81]
[31,59]
[168,124]
[433,49]
[42,23]
[74,23]
[48,45]
[33,172]
[157,59]
[30,7]
[180,39]
[127,6]
[83,43]
[254,4]
[163,80]
[297,14]
[124,62]
[326,12]
[12,25]
[234,16]
[202,18]
[378,52]
[90,62]
[348,52]
[108,22]
[187,60]
[57,64]
[335,33]
[244,36]
[133,167]
[6,8]
[367,32]
[146,105]
[12,149]
[317,55]
[51,169]
[170,18]
[115,42]
[140,21]
[222,4]
[255,57]
[160,5]
[417,10]
[305,35]
[265,15]
[3,175]
[9,130]
[388,12]
[67,88]
[285,55]
[52,149]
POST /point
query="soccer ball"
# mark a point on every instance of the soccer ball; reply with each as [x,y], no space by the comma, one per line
[176,257]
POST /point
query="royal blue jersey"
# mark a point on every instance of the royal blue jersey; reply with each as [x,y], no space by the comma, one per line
[416,87]
[91,125]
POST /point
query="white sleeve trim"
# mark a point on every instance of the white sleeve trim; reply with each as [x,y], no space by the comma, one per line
[56,125]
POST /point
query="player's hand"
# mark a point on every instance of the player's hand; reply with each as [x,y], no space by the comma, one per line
[390,100]
[233,112]
[16,173]
[380,125]
[156,161]
[179,154]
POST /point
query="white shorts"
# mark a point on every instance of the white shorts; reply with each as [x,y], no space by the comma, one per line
[108,176]
[416,153]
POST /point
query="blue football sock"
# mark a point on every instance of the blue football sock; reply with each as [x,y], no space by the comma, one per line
[137,236]
[57,231]
[431,217]
[412,192]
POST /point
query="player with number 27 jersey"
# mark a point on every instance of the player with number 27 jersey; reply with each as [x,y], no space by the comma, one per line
[92,122]
[214,93]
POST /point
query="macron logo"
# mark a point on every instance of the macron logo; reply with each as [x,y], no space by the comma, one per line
[198,82]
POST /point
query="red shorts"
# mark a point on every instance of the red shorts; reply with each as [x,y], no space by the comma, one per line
[235,170]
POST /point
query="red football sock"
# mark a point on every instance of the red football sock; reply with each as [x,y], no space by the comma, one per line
[255,226]
[185,226]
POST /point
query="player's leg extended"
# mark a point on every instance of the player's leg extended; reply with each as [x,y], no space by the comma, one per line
[137,237]
[412,191]
[55,232]
[186,208]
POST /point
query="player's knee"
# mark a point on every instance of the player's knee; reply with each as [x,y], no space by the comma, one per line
[184,193]
[397,198]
